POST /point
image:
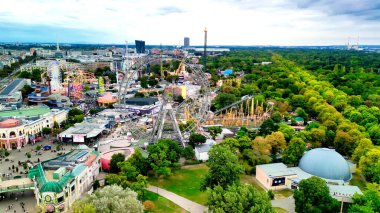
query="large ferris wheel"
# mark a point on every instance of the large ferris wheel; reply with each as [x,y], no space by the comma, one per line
[173,120]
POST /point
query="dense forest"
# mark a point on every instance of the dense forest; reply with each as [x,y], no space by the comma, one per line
[336,92]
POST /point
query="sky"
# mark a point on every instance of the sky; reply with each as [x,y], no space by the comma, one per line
[229,22]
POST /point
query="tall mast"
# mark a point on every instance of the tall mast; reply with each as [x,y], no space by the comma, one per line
[205,51]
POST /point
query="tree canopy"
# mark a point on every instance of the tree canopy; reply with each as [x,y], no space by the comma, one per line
[224,168]
[313,195]
[108,200]
[239,199]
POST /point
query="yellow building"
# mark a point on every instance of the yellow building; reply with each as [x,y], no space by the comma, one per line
[18,127]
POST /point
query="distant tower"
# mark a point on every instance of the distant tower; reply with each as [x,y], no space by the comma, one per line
[186,42]
[205,51]
[161,70]
[140,46]
[58,47]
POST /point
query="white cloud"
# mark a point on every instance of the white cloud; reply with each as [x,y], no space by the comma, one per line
[230,22]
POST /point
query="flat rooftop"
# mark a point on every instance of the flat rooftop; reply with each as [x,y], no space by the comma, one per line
[25,112]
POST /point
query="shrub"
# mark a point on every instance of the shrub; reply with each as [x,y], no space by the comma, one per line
[148,205]
[29,155]
[270,194]
[38,148]
[25,165]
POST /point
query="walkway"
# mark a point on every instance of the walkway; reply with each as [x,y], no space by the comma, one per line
[285,203]
[180,201]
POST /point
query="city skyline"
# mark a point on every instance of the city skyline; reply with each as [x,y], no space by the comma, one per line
[229,22]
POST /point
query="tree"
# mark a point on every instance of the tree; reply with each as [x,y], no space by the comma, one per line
[364,146]
[277,142]
[196,139]
[370,165]
[287,130]
[267,127]
[139,161]
[144,81]
[224,99]
[152,81]
[188,153]
[26,90]
[56,125]
[368,202]
[344,143]
[115,159]
[140,185]
[75,111]
[46,131]
[313,195]
[162,155]
[224,168]
[214,131]
[238,198]
[294,151]
[110,199]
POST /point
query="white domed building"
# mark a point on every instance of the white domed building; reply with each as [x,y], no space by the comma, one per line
[321,162]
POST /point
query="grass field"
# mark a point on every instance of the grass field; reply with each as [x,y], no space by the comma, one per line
[279,210]
[283,193]
[358,181]
[185,182]
[161,204]
[250,179]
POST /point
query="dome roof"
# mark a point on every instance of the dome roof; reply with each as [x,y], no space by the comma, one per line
[51,186]
[325,163]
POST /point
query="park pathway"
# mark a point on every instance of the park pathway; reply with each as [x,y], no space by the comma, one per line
[285,203]
[186,204]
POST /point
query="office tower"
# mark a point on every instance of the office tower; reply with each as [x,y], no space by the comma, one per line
[186,42]
[140,46]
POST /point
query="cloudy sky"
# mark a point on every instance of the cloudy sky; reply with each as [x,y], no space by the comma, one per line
[229,22]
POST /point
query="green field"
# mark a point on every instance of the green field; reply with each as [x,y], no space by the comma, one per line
[249,179]
[33,111]
[161,204]
[185,182]
[284,193]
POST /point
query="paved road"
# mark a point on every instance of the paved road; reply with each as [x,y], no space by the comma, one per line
[285,203]
[180,201]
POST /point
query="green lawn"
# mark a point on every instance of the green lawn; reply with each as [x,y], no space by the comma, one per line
[161,204]
[185,182]
[279,210]
[358,181]
[284,193]
[250,179]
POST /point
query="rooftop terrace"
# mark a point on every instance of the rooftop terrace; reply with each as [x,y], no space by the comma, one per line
[25,112]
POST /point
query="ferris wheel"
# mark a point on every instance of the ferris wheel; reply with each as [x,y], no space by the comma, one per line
[178,122]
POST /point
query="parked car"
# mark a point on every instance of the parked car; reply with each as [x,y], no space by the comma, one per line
[46,147]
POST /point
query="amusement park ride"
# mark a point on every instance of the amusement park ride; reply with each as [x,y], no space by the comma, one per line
[194,112]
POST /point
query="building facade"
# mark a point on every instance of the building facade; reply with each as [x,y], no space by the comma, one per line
[17,131]
[186,42]
[59,182]
[140,46]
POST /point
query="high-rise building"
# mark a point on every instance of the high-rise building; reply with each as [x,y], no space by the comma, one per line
[186,42]
[140,46]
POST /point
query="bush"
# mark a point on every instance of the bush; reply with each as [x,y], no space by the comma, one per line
[25,165]
[29,155]
[270,194]
[6,153]
[38,148]
[59,147]
[148,205]
[192,162]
